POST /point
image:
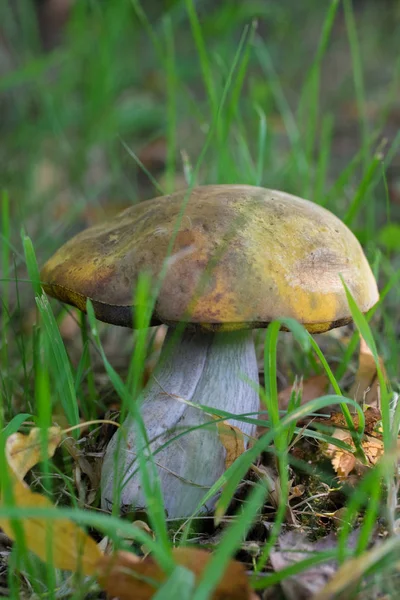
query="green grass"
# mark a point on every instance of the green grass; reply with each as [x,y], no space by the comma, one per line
[235,105]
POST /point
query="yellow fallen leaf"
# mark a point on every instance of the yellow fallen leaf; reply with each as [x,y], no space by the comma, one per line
[71,548]
[233,441]
[24,451]
[126,576]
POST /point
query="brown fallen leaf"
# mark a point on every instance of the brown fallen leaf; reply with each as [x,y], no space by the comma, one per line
[122,534]
[69,546]
[25,451]
[345,580]
[373,448]
[294,547]
[271,477]
[372,416]
[124,575]
[233,441]
[344,462]
[365,389]
[142,525]
[311,388]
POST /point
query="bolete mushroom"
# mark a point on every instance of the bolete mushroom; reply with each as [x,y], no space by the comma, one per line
[242,257]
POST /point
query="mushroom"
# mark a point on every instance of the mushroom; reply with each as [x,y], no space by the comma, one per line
[242,257]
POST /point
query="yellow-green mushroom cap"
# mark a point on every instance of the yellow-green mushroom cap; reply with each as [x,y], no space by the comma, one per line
[242,257]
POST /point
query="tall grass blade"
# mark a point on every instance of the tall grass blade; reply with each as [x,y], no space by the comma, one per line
[60,365]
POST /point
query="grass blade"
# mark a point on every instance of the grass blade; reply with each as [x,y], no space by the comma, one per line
[60,364]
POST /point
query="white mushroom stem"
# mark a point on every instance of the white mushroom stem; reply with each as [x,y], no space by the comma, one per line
[211,369]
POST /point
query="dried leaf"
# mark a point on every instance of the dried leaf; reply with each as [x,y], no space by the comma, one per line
[297,491]
[313,387]
[233,441]
[71,548]
[344,583]
[125,576]
[365,388]
[271,477]
[295,547]
[373,448]
[25,451]
[372,417]
[344,462]
[122,534]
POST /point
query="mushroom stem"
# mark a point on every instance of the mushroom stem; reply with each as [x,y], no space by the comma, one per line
[212,369]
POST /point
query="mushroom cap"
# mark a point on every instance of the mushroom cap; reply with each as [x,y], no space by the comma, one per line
[242,257]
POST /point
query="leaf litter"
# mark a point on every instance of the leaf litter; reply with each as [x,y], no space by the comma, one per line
[314,511]
[68,547]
